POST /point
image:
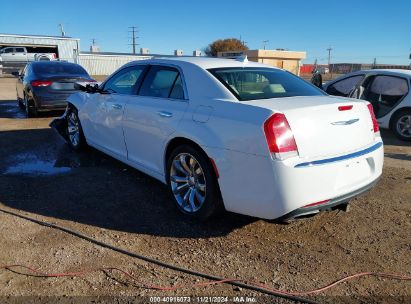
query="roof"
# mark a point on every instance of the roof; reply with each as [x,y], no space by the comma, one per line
[204,62]
[123,54]
[400,71]
[394,72]
[39,36]
[51,62]
[386,71]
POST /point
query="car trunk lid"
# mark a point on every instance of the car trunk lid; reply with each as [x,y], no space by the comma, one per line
[66,82]
[323,125]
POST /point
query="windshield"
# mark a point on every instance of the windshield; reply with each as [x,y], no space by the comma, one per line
[58,68]
[263,83]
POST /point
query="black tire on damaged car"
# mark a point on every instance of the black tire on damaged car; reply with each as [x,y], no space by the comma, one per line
[212,204]
[20,103]
[74,131]
[398,120]
[30,107]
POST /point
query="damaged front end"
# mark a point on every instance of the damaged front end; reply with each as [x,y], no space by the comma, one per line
[60,125]
[75,100]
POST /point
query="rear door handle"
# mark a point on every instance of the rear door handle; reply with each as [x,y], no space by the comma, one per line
[116,106]
[165,114]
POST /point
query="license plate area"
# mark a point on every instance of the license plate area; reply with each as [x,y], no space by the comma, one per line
[63,85]
[352,173]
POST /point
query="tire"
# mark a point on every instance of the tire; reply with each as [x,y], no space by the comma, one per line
[31,110]
[20,103]
[193,183]
[401,124]
[74,131]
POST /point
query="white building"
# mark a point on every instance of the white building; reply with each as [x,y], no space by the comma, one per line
[68,49]
[65,48]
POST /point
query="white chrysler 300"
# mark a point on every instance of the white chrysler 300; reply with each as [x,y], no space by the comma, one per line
[230,134]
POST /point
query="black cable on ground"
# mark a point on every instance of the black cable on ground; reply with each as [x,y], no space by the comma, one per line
[157,262]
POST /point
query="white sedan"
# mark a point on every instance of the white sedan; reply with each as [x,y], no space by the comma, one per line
[387,90]
[231,134]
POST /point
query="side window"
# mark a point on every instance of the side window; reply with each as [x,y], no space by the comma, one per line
[8,50]
[124,81]
[163,82]
[178,90]
[345,86]
[19,50]
[385,92]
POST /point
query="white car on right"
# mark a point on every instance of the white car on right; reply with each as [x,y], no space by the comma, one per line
[387,90]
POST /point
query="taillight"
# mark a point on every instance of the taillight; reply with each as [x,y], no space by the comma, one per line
[41,83]
[344,108]
[374,120]
[280,138]
[315,204]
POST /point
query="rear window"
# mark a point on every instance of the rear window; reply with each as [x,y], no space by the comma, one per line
[50,69]
[263,83]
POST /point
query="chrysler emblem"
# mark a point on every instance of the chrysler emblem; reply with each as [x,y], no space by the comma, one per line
[345,122]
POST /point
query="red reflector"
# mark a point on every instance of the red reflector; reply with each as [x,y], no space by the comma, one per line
[374,120]
[41,83]
[278,134]
[315,204]
[215,168]
[344,108]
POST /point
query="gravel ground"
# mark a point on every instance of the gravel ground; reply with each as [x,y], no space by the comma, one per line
[42,178]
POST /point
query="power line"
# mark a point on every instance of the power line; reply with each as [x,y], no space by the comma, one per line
[134,38]
[329,56]
[329,60]
[63,33]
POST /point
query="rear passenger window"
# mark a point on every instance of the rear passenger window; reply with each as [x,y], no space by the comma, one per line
[164,82]
[345,86]
[178,91]
[385,92]
[19,50]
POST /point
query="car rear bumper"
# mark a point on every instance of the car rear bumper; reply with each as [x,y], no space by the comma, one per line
[51,101]
[331,204]
[272,189]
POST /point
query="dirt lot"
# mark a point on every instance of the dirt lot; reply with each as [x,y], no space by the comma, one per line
[103,198]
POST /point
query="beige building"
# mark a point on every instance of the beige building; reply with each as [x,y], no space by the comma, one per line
[288,60]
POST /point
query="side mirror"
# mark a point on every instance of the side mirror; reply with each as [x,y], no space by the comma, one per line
[317,80]
[17,74]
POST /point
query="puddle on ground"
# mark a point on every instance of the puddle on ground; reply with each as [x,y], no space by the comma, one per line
[30,164]
[11,110]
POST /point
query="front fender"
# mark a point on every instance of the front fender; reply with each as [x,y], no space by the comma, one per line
[76,100]
[60,125]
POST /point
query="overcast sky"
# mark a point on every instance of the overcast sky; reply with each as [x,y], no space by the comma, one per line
[357,30]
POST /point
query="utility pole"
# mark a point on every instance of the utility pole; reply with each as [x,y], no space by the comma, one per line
[134,37]
[374,63]
[329,61]
[265,43]
[62,30]
[242,41]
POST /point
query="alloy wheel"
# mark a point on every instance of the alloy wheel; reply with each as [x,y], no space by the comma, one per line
[404,126]
[73,129]
[188,182]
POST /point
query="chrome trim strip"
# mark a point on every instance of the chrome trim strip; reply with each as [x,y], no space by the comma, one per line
[340,158]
